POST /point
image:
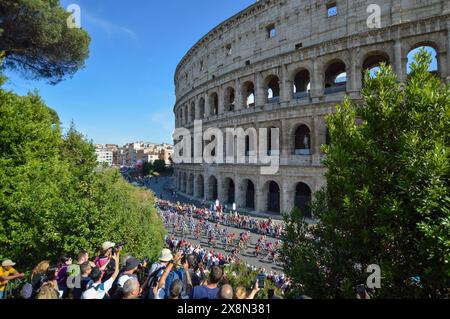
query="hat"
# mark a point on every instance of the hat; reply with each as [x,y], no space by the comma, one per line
[107,245]
[7,263]
[132,263]
[166,255]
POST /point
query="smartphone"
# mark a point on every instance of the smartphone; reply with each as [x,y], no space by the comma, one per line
[261,281]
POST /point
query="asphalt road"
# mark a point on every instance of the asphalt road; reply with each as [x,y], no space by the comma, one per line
[161,185]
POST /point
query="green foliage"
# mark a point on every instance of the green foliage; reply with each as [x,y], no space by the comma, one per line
[387,200]
[159,166]
[52,200]
[35,39]
[147,169]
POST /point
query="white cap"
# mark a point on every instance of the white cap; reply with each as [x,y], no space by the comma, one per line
[7,263]
[107,245]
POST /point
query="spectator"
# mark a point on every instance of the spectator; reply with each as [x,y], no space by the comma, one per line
[226,292]
[74,269]
[209,291]
[131,289]
[175,289]
[99,290]
[38,276]
[172,274]
[157,271]
[85,280]
[66,261]
[131,266]
[47,291]
[105,261]
[7,273]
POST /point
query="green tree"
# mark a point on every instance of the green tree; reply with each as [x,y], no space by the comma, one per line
[147,169]
[35,38]
[159,166]
[53,201]
[387,197]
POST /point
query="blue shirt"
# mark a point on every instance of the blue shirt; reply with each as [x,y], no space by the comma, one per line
[203,292]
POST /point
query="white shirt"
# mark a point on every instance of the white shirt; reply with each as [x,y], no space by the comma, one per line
[96,292]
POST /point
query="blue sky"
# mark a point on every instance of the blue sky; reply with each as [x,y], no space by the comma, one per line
[126,92]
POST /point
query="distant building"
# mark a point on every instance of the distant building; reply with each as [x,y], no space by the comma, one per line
[104,155]
[133,153]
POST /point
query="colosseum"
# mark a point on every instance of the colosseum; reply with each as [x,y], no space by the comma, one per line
[286,64]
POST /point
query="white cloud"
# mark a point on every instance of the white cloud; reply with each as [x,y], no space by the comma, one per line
[110,28]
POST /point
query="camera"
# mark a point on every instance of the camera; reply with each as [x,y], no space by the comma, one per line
[118,246]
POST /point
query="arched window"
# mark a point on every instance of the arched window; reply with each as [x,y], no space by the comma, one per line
[434,67]
[229,190]
[302,84]
[273,89]
[273,198]
[248,94]
[303,199]
[249,195]
[200,187]
[202,108]
[212,183]
[230,99]
[373,62]
[214,104]
[192,110]
[190,190]
[302,141]
[336,78]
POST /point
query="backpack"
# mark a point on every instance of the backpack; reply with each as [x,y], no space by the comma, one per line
[152,282]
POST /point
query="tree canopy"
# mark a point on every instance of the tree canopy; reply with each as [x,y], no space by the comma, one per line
[387,200]
[52,199]
[36,40]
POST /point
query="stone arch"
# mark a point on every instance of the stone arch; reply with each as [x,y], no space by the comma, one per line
[186,114]
[372,61]
[302,140]
[201,108]
[249,194]
[192,112]
[190,185]
[214,104]
[429,46]
[272,88]
[230,99]
[213,190]
[184,183]
[248,94]
[301,83]
[200,187]
[229,190]
[302,198]
[272,197]
[335,76]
